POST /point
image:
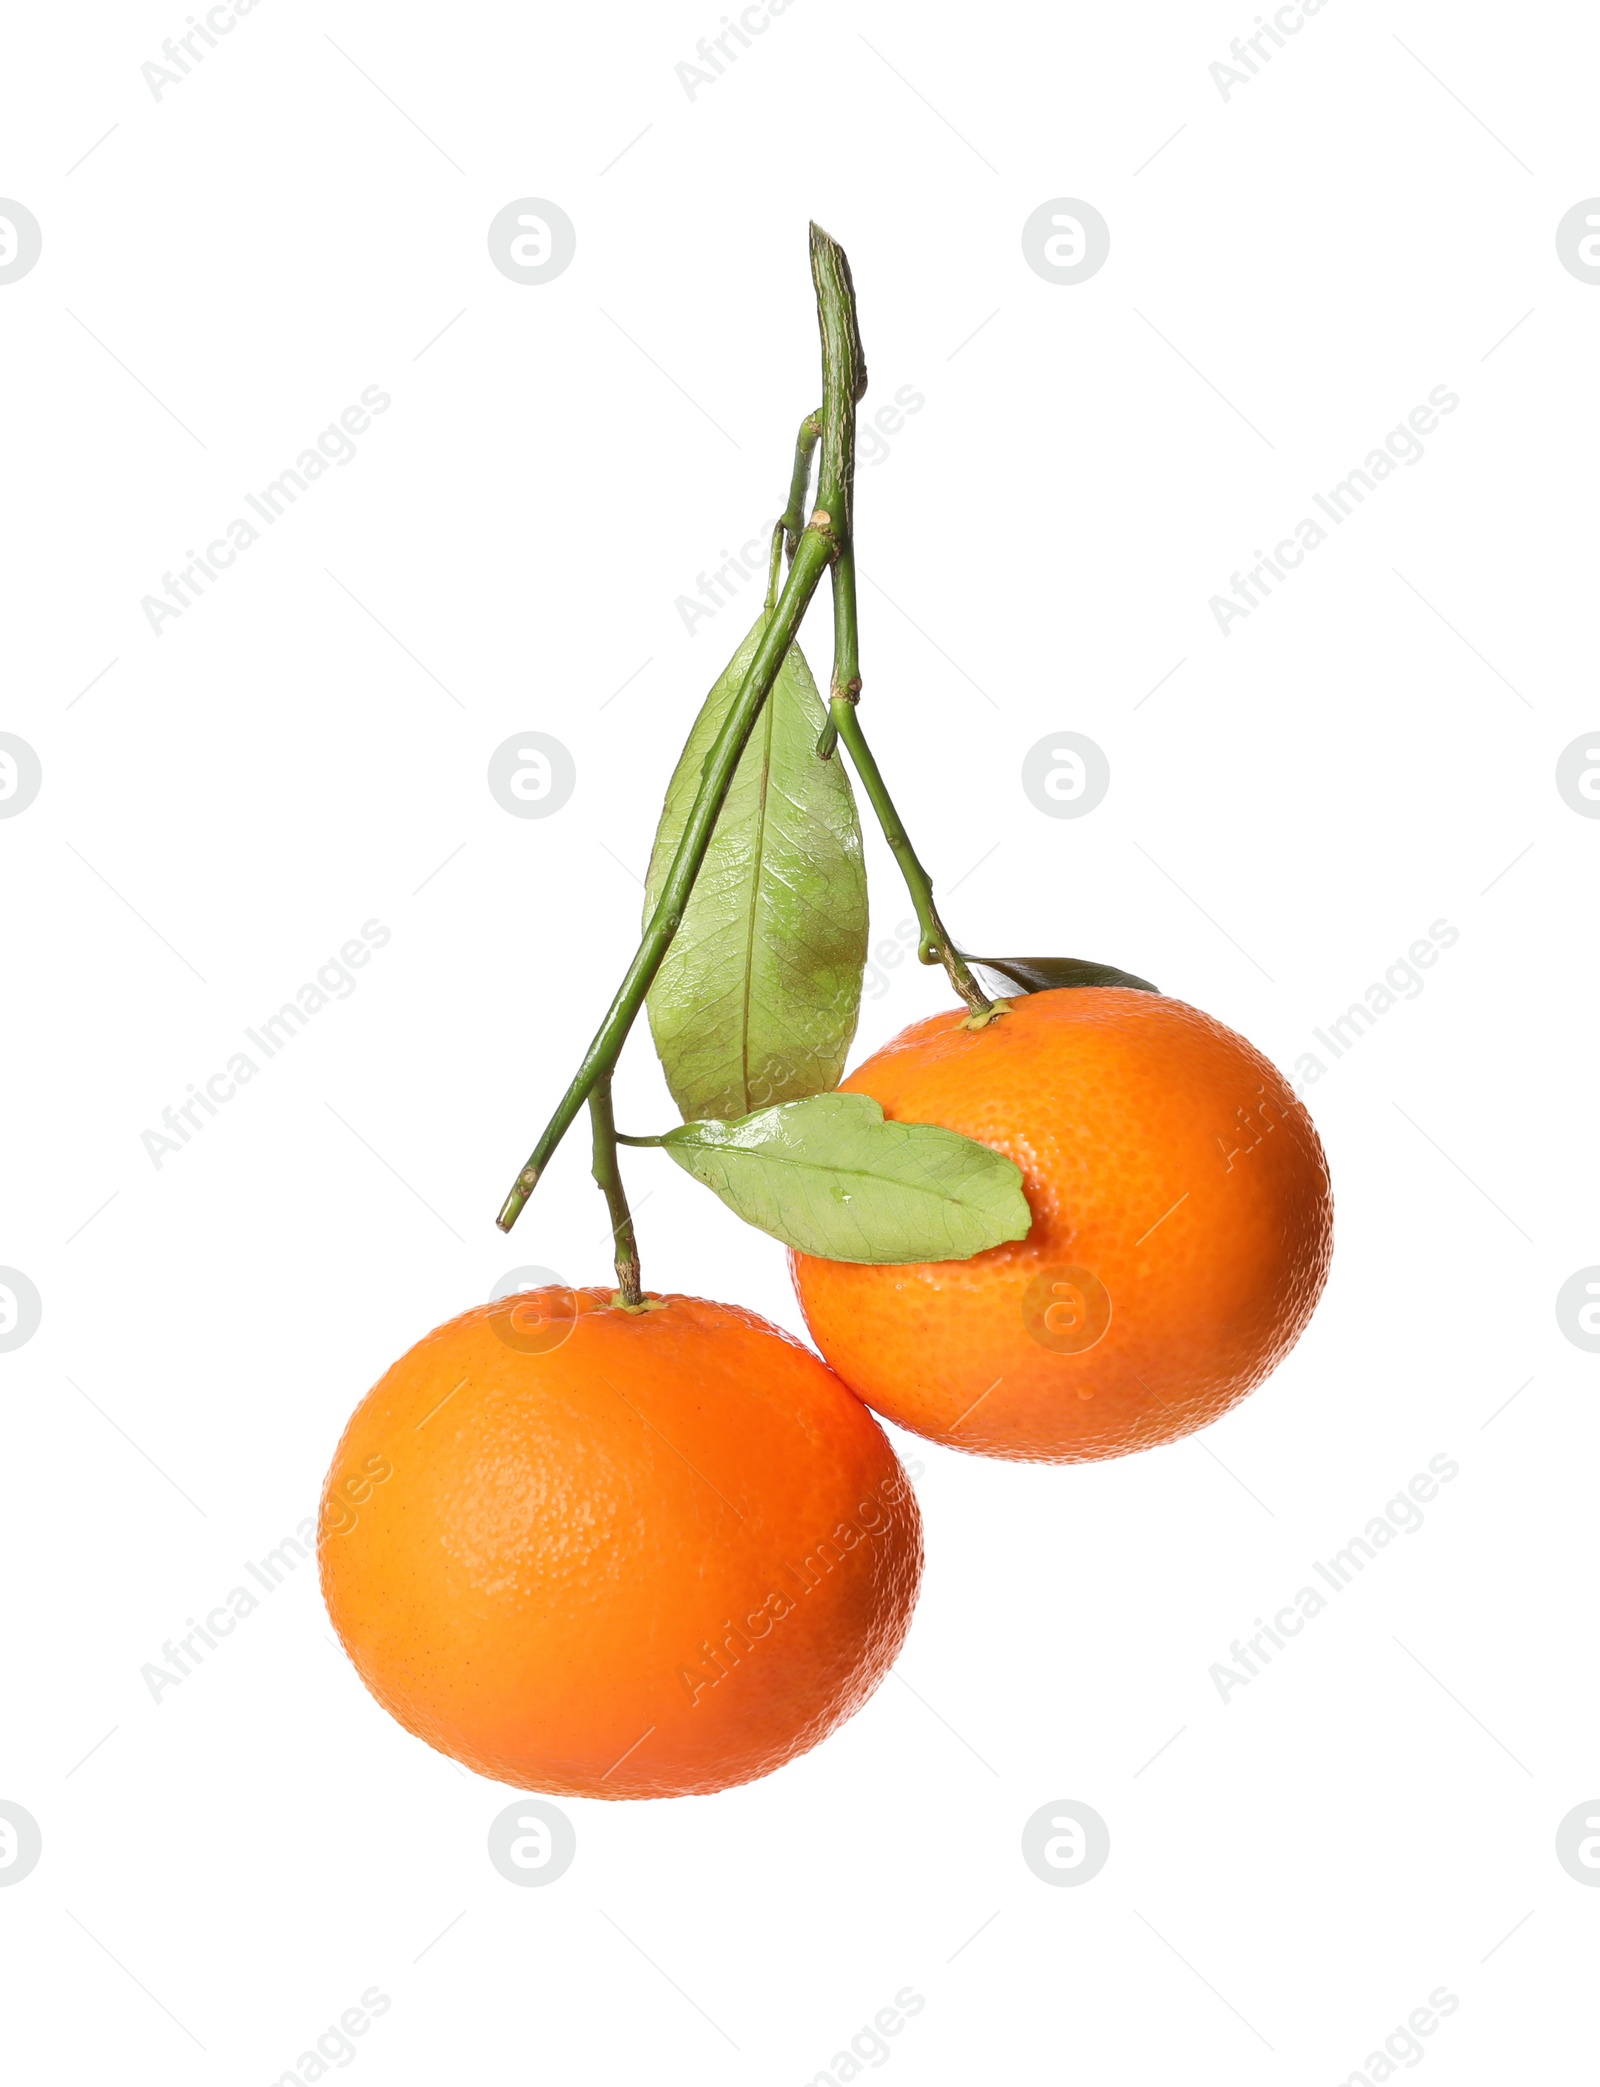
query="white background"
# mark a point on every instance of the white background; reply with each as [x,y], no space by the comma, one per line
[1294,1871]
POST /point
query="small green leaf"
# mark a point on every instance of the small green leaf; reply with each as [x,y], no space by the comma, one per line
[757,998]
[1044,974]
[832,1177]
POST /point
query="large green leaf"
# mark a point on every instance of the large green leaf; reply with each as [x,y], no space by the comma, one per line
[757,998]
[1044,974]
[832,1177]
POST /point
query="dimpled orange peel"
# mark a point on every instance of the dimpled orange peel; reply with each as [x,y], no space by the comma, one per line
[617,1554]
[1182,1231]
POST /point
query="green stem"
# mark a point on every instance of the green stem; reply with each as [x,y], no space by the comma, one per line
[844,378]
[794,515]
[844,370]
[846,636]
[814,552]
[811,562]
[934,944]
[609,1175]
[845,685]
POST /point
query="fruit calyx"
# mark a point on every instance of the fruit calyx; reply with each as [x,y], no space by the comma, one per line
[981,1017]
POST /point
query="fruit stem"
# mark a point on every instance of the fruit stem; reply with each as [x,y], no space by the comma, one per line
[794,515]
[844,371]
[934,945]
[845,685]
[815,550]
[608,1174]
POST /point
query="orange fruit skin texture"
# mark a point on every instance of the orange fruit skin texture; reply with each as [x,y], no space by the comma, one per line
[1115,1104]
[676,1523]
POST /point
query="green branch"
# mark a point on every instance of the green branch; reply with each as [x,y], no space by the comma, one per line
[814,552]
[845,381]
[934,945]
[794,515]
[608,1174]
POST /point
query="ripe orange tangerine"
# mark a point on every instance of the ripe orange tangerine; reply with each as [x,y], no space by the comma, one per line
[613,1554]
[1182,1231]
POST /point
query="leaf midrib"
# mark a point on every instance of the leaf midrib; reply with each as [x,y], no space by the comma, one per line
[757,858]
[816,1166]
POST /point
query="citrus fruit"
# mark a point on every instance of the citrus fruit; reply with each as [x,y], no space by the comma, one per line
[617,1554]
[1182,1229]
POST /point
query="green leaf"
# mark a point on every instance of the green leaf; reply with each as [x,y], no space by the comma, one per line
[832,1177]
[1044,974]
[757,998]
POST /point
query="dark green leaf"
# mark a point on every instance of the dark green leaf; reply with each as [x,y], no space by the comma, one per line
[1044,974]
[757,998]
[832,1177]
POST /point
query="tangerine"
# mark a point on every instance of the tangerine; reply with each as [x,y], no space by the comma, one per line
[1182,1231]
[605,1553]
